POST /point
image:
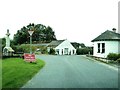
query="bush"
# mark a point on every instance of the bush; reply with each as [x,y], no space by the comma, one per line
[44,50]
[24,48]
[113,56]
[52,51]
[82,51]
[118,60]
[119,55]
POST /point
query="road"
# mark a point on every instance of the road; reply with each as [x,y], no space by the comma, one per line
[73,72]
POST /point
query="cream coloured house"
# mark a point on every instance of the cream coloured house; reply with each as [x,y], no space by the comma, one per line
[107,42]
[62,47]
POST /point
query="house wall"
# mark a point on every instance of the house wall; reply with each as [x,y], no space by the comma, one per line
[110,47]
[63,45]
[119,47]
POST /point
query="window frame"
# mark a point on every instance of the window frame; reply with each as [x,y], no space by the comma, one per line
[98,47]
[103,47]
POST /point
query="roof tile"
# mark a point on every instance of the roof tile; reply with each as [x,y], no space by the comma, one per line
[108,36]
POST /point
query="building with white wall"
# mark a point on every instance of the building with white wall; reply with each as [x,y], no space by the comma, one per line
[62,47]
[107,42]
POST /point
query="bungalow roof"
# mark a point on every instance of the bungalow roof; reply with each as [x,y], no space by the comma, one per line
[55,43]
[108,36]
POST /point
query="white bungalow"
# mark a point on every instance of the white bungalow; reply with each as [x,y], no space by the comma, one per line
[107,42]
[62,47]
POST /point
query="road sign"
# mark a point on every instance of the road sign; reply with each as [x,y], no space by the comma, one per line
[30,32]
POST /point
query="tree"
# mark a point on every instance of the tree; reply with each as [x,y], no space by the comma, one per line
[82,45]
[0,47]
[41,33]
[3,42]
[49,34]
[77,45]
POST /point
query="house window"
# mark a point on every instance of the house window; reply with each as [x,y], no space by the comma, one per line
[103,47]
[98,47]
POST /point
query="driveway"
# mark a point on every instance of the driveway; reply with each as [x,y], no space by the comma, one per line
[73,72]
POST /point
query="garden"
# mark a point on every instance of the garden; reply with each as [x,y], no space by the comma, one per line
[111,59]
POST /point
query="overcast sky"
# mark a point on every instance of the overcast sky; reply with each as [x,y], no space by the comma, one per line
[75,20]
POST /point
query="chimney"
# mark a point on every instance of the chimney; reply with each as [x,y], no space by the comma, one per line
[114,30]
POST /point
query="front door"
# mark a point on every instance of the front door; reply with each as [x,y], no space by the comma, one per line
[66,51]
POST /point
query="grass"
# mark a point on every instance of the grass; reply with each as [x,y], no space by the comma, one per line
[16,72]
[0,73]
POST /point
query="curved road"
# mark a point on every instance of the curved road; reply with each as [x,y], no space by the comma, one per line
[73,72]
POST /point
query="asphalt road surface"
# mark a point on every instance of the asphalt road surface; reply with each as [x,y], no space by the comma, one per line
[73,72]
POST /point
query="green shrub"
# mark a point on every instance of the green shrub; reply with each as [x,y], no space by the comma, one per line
[44,50]
[52,51]
[119,55]
[113,56]
[118,60]
[25,48]
[82,51]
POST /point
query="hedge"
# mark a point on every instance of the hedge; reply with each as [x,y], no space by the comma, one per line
[113,56]
[82,51]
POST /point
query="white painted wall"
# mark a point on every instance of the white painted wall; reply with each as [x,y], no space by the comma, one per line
[65,44]
[110,47]
[119,47]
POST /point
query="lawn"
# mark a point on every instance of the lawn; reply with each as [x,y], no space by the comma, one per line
[0,73]
[16,72]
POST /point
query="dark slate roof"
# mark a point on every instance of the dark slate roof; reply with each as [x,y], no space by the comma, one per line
[55,43]
[108,36]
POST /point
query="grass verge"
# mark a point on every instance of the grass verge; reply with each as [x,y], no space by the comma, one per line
[110,62]
[16,72]
[0,74]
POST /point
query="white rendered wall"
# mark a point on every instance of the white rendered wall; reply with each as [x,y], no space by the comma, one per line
[110,47]
[119,47]
[66,44]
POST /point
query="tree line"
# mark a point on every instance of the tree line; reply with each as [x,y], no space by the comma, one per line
[41,34]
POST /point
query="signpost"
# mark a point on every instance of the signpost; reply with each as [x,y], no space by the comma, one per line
[29,57]
[30,32]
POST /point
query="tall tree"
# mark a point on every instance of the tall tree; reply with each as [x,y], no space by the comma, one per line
[3,42]
[41,33]
[49,34]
